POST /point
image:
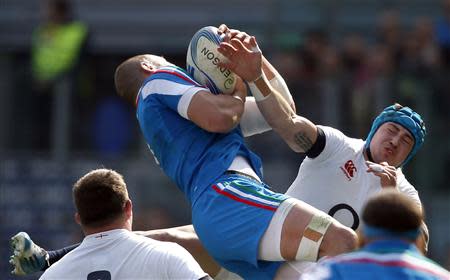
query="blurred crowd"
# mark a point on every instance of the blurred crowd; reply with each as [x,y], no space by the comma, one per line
[404,64]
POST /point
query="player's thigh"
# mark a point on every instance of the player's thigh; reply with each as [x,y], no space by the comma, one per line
[294,225]
[334,239]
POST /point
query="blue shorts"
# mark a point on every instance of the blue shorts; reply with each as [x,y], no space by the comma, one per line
[230,217]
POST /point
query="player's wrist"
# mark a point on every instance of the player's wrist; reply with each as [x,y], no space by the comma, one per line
[239,97]
[260,87]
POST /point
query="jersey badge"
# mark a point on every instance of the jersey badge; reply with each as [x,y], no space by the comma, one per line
[349,169]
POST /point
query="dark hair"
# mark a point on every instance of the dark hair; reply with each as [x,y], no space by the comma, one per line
[100,197]
[62,9]
[393,211]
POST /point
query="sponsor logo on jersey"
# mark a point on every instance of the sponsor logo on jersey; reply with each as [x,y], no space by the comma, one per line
[349,169]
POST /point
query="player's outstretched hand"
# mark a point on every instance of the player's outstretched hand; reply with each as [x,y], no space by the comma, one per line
[228,34]
[245,62]
[386,173]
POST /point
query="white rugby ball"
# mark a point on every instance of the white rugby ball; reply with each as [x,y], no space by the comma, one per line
[202,62]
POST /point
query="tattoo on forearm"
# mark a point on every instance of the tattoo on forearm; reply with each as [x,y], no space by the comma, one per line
[302,140]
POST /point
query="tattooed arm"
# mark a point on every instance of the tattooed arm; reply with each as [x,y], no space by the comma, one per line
[246,60]
[298,132]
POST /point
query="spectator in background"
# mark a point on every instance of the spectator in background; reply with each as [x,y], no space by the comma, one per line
[56,43]
[427,45]
[390,34]
[56,46]
[313,52]
[443,32]
[391,228]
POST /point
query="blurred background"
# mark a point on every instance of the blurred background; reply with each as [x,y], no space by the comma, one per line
[343,61]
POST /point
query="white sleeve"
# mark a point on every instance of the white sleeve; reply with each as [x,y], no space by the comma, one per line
[279,85]
[252,121]
[185,100]
[180,264]
[335,143]
[169,91]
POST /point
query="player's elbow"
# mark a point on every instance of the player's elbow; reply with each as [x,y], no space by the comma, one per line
[287,131]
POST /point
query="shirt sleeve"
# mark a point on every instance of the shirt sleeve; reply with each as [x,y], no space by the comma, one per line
[335,141]
[174,93]
[252,121]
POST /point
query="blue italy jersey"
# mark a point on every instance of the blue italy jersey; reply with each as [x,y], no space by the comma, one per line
[192,157]
[382,259]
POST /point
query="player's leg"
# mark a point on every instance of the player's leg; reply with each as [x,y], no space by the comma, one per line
[230,217]
[299,231]
[28,258]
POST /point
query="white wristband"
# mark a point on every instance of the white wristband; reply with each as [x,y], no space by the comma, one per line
[255,90]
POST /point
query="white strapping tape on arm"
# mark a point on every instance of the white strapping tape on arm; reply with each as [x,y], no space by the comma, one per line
[255,90]
[308,250]
[279,85]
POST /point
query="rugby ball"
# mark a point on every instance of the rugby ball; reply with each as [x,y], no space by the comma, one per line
[202,62]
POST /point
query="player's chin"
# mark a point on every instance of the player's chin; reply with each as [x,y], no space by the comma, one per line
[392,161]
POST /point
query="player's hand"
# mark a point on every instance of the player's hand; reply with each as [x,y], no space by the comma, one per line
[228,34]
[245,62]
[387,173]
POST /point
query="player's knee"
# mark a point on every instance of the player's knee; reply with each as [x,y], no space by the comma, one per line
[350,239]
[338,239]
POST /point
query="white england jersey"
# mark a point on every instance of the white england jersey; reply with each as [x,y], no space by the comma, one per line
[121,254]
[337,181]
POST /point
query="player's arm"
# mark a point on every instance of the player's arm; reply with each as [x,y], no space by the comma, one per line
[252,121]
[277,82]
[218,113]
[298,132]
[187,238]
[274,77]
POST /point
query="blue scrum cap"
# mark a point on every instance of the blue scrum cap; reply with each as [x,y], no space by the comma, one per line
[405,117]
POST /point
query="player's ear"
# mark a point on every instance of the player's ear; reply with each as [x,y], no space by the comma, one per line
[128,208]
[147,67]
[77,218]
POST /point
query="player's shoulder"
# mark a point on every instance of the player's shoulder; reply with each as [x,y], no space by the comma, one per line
[402,182]
[169,81]
[404,186]
[333,133]
[337,139]
[155,244]
[174,74]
